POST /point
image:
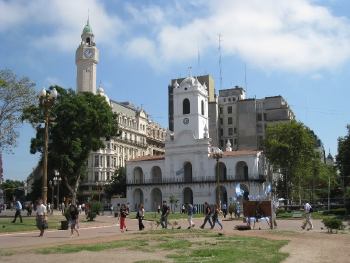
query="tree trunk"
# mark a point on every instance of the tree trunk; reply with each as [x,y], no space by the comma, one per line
[72,190]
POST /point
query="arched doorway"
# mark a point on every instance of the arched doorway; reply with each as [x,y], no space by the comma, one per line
[188,172]
[223,195]
[156,173]
[138,197]
[188,196]
[242,171]
[138,175]
[222,171]
[156,198]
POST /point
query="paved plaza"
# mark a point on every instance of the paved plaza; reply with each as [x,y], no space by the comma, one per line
[304,246]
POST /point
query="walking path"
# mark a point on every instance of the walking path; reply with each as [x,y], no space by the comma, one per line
[304,246]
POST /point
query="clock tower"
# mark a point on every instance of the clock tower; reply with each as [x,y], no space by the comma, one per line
[86,59]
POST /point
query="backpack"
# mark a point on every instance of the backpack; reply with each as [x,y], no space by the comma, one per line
[311,210]
[137,214]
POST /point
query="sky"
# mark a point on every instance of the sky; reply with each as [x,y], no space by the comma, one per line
[299,49]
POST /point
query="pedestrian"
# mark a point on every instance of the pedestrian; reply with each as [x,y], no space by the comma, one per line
[18,207]
[217,213]
[158,209]
[29,209]
[224,210]
[123,215]
[190,215]
[80,209]
[73,219]
[207,218]
[140,215]
[63,208]
[183,209]
[307,210]
[237,210]
[274,212]
[41,217]
[164,216]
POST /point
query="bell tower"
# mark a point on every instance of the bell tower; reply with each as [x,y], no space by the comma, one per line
[86,59]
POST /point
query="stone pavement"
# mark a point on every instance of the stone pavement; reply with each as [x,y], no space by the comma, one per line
[105,227]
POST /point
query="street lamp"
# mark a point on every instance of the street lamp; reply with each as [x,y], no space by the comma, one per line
[47,99]
[217,154]
[57,180]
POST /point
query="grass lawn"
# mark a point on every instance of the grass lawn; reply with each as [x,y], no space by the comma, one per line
[189,246]
[29,224]
[315,215]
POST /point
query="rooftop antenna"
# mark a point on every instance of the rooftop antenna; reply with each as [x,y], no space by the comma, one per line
[88,16]
[220,66]
[190,71]
[245,78]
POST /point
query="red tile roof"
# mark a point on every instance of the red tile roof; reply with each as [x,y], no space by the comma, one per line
[147,158]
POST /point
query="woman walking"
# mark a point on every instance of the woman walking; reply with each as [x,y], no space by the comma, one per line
[41,217]
[217,213]
[123,214]
[74,219]
[140,216]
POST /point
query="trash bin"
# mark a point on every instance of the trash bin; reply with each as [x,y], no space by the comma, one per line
[64,225]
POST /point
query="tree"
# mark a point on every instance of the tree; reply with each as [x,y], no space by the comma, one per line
[118,184]
[290,147]
[81,123]
[12,189]
[173,202]
[15,95]
[343,157]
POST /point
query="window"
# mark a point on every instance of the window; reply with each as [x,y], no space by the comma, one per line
[96,177]
[220,110]
[235,141]
[265,116]
[221,121]
[202,107]
[259,117]
[108,161]
[97,163]
[224,100]
[231,141]
[186,106]
[221,132]
[229,99]
[230,131]
[229,109]
[229,120]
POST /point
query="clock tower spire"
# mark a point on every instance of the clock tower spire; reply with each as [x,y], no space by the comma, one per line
[86,59]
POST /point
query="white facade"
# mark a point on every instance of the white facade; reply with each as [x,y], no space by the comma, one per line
[188,170]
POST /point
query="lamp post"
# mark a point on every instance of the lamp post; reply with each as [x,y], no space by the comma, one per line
[217,154]
[57,180]
[52,185]
[47,99]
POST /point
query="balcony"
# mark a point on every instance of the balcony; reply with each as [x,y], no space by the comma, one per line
[195,180]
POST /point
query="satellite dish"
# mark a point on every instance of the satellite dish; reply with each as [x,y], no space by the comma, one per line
[238,190]
[268,189]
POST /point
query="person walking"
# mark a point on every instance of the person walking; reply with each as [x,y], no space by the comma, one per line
[140,215]
[41,217]
[123,215]
[207,218]
[190,215]
[224,210]
[73,219]
[216,216]
[164,216]
[307,210]
[18,207]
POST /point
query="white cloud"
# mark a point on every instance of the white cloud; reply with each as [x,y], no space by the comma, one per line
[298,35]
[293,35]
[62,21]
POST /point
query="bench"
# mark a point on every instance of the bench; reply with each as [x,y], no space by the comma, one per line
[297,214]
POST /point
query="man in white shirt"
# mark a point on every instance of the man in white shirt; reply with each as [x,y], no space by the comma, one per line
[41,220]
[307,211]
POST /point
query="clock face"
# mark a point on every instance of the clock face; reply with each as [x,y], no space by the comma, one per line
[88,53]
[186,121]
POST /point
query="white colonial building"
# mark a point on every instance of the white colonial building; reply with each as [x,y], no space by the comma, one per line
[188,170]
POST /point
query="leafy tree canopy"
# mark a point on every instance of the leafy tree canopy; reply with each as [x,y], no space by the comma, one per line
[15,95]
[343,157]
[80,123]
[118,184]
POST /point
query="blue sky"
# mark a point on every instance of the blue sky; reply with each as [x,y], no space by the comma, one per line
[299,49]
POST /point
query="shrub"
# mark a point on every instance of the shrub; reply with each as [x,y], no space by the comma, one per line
[333,223]
[94,210]
[336,211]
